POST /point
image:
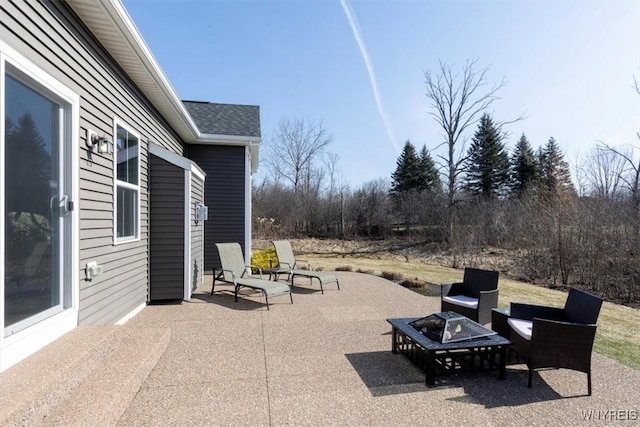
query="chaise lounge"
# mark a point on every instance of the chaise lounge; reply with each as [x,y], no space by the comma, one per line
[287,264]
[234,271]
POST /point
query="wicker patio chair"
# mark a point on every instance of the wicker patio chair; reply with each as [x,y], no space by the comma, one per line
[236,272]
[287,264]
[550,337]
[474,297]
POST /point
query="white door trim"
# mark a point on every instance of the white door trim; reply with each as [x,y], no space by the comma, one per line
[18,346]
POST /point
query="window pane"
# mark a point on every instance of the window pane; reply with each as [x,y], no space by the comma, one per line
[127,212]
[127,148]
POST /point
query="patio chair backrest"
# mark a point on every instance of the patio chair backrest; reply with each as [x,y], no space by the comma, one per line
[582,307]
[476,280]
[231,259]
[284,252]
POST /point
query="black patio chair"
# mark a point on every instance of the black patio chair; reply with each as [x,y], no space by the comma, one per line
[474,297]
[553,337]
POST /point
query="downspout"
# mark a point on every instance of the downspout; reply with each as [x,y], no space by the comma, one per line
[187,262]
[247,191]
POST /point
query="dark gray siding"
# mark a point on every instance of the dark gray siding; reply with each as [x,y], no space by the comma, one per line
[166,237]
[48,34]
[197,234]
[224,194]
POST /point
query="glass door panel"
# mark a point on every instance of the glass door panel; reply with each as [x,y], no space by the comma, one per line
[35,204]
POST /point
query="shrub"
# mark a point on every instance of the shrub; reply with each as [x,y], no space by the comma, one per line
[392,275]
[413,283]
[344,268]
[265,258]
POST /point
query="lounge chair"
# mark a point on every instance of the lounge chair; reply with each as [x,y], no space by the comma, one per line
[233,270]
[474,297]
[550,337]
[287,264]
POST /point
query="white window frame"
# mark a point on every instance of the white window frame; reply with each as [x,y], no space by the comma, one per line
[117,183]
[25,342]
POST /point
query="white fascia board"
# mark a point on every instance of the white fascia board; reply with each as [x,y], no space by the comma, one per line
[109,21]
[176,159]
[195,169]
[131,33]
[216,139]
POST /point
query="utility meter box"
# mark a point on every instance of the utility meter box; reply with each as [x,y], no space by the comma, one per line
[202,212]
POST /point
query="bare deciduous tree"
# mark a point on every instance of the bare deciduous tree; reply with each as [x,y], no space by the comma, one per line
[294,156]
[630,176]
[295,145]
[331,161]
[457,101]
[629,172]
[603,171]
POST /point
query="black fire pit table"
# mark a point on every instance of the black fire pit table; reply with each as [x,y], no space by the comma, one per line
[448,343]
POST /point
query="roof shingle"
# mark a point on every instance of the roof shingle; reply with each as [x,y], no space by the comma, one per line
[225,119]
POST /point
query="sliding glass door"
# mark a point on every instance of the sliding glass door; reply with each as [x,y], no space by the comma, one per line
[36,204]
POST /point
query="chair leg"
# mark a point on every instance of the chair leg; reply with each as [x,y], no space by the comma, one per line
[589,382]
[291,297]
[530,377]
[321,288]
[338,284]
[266,299]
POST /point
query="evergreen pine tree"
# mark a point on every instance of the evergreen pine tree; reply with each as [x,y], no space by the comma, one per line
[408,173]
[29,168]
[487,164]
[555,173]
[524,167]
[430,175]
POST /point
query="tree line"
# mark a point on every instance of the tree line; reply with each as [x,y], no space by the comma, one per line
[562,230]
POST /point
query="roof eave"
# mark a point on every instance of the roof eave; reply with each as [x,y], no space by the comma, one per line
[111,24]
[217,139]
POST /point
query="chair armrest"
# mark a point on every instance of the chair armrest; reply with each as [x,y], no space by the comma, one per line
[487,294]
[251,267]
[285,265]
[488,299]
[531,311]
[568,344]
[448,289]
[233,274]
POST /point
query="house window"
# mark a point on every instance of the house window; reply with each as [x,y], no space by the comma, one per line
[127,218]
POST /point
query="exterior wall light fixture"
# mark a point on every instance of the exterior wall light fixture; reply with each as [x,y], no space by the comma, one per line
[99,144]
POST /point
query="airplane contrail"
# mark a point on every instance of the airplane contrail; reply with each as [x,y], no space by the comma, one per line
[355,28]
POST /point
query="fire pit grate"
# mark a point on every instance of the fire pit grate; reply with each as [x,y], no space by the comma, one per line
[450,327]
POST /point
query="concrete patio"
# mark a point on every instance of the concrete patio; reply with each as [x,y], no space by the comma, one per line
[324,360]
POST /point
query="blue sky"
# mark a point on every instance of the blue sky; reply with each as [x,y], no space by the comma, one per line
[569,65]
